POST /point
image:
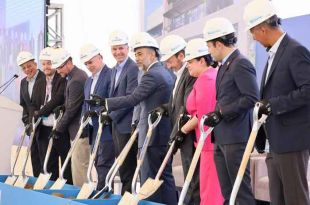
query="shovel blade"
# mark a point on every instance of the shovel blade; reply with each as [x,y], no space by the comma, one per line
[128,199]
[21,181]
[86,190]
[10,180]
[42,181]
[59,184]
[149,187]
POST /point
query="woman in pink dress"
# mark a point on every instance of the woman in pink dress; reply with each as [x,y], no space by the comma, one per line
[200,101]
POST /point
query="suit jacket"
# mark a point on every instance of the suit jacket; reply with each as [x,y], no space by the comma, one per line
[127,82]
[57,98]
[178,101]
[37,99]
[74,98]
[153,90]
[288,90]
[102,88]
[236,94]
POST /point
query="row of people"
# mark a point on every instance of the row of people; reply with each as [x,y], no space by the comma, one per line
[226,95]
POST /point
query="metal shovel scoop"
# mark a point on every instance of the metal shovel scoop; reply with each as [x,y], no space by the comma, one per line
[88,188]
[12,179]
[203,136]
[45,176]
[249,147]
[107,190]
[61,181]
[23,179]
[132,199]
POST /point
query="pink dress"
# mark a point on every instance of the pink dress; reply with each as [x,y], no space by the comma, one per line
[201,101]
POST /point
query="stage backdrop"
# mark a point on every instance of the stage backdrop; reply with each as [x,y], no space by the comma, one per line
[21,28]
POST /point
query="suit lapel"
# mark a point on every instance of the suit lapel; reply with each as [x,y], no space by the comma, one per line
[277,57]
[181,82]
[262,83]
[122,74]
[39,83]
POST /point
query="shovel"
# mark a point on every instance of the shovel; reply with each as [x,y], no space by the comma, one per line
[11,179]
[23,179]
[88,188]
[203,136]
[132,199]
[61,181]
[107,190]
[249,147]
[45,176]
[152,185]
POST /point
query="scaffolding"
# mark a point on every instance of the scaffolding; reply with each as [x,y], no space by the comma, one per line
[54,25]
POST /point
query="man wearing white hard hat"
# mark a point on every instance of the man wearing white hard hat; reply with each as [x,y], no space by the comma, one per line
[124,81]
[153,90]
[31,95]
[172,49]
[285,97]
[54,96]
[236,94]
[68,125]
[98,84]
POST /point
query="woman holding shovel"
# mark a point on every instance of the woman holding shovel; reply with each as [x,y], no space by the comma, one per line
[201,100]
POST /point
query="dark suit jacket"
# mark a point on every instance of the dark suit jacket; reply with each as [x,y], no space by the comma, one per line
[288,90]
[102,88]
[178,102]
[236,94]
[57,98]
[153,90]
[127,82]
[74,98]
[37,99]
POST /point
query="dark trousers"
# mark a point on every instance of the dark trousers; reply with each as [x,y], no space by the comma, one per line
[166,194]
[127,170]
[104,161]
[60,149]
[227,159]
[187,150]
[35,158]
[288,178]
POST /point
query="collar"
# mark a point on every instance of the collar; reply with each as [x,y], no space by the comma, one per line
[180,71]
[50,78]
[275,46]
[229,54]
[34,77]
[96,75]
[151,65]
[122,64]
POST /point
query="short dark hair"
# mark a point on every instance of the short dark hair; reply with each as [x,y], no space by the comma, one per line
[228,40]
[273,22]
[179,52]
[209,60]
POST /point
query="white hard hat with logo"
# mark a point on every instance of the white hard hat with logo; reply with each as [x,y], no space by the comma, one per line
[59,57]
[257,11]
[143,39]
[170,45]
[118,38]
[46,54]
[195,48]
[87,52]
[23,57]
[217,27]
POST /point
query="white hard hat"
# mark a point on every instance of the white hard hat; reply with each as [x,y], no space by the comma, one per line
[143,39]
[118,38]
[87,52]
[257,11]
[195,48]
[46,54]
[170,45]
[23,57]
[59,56]
[217,27]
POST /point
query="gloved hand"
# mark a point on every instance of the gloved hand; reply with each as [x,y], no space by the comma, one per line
[265,108]
[96,100]
[178,138]
[183,120]
[28,129]
[36,115]
[213,118]
[59,109]
[105,118]
[160,109]
[56,134]
[154,116]
[89,113]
